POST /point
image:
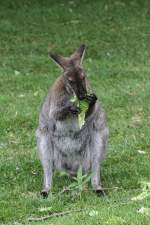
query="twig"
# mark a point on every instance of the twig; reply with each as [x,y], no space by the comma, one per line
[89,189]
[64,190]
[55,215]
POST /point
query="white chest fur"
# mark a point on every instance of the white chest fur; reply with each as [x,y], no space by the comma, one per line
[71,145]
[65,137]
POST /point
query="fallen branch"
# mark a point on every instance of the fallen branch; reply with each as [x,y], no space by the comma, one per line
[89,189]
[56,214]
[86,190]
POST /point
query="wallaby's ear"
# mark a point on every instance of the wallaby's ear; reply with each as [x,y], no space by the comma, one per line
[59,60]
[78,55]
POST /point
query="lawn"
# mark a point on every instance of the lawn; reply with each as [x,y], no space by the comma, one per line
[117,35]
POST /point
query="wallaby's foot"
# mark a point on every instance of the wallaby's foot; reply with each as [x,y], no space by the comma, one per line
[100,192]
[44,193]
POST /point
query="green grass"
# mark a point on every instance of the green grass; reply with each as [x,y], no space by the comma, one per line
[118,65]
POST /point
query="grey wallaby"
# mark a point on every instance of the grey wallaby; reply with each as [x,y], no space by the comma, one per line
[62,145]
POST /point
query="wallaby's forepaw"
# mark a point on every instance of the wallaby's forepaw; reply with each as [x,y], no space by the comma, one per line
[74,110]
[91,98]
[44,193]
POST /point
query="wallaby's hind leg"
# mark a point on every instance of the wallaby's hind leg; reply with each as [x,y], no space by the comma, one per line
[98,150]
[96,179]
[44,150]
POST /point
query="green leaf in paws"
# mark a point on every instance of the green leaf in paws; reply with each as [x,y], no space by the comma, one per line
[84,105]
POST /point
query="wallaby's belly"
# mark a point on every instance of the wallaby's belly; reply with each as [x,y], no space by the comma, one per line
[70,146]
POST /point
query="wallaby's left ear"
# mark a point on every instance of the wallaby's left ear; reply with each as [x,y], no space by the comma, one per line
[78,55]
[59,60]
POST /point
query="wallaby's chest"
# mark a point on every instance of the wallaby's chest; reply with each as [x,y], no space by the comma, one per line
[66,136]
[70,146]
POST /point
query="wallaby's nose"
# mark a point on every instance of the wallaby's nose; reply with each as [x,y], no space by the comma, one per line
[82,96]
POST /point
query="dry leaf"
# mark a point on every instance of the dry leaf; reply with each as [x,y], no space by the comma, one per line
[141,152]
[45,209]
[144,194]
[93,213]
[145,211]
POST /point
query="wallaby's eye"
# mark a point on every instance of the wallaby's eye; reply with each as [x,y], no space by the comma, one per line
[71,81]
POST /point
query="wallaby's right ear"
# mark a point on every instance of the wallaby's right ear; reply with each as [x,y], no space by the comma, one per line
[59,60]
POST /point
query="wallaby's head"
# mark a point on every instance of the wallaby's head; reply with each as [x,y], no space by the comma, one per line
[73,72]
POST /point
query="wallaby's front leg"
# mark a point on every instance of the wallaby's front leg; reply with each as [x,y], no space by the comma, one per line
[45,154]
[63,111]
[92,100]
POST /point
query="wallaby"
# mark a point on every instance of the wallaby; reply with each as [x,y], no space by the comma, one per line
[62,144]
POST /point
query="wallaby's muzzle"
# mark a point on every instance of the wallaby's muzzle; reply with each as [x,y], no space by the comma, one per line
[82,96]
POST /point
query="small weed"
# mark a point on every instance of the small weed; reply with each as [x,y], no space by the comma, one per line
[80,183]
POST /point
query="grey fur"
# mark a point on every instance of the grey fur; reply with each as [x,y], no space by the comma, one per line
[62,145]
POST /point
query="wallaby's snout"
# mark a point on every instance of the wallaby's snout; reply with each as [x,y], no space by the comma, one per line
[82,92]
[77,81]
[82,96]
